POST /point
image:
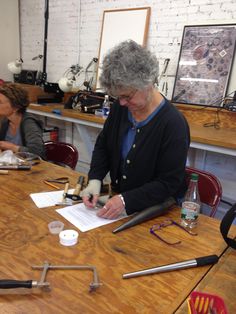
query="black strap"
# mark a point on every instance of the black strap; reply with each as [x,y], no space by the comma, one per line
[226,224]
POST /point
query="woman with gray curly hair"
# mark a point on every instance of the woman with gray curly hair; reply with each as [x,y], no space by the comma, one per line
[19,131]
[144,141]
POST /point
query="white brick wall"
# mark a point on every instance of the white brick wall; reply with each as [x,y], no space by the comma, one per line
[75,25]
[74,35]
[63,35]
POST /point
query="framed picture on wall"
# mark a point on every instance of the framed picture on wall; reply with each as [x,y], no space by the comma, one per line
[119,25]
[204,65]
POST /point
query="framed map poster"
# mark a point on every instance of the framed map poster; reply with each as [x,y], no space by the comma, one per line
[204,65]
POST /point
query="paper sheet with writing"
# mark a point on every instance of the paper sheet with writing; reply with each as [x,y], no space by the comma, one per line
[46,199]
[84,218]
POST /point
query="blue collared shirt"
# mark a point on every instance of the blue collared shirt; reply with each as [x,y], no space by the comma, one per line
[128,139]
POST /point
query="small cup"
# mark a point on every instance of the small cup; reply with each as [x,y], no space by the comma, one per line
[68,237]
[98,112]
[55,227]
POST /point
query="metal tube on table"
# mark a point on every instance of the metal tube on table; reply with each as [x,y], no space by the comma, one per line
[147,214]
[200,261]
[18,167]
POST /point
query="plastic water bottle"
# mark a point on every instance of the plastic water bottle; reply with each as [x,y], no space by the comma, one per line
[191,204]
[106,106]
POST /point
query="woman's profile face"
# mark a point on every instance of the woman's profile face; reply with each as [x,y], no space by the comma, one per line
[6,108]
[134,100]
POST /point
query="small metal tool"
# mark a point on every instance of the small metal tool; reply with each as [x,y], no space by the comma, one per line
[43,284]
[75,196]
[17,167]
[64,201]
[93,285]
[67,198]
[11,284]
[62,180]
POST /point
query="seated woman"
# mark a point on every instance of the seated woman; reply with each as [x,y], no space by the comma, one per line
[19,131]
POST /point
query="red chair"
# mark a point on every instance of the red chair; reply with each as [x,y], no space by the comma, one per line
[210,189]
[63,154]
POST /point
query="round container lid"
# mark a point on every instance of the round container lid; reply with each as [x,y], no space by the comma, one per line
[68,237]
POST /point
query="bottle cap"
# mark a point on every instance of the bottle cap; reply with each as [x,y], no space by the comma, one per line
[194,176]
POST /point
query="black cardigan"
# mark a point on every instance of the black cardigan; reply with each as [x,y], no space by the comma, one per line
[155,165]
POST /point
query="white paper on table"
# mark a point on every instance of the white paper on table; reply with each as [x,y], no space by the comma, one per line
[85,218]
[46,199]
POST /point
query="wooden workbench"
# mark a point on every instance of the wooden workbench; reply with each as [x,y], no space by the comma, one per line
[25,241]
[218,139]
[220,281]
[223,139]
[65,113]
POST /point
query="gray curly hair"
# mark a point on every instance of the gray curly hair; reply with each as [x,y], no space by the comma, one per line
[128,65]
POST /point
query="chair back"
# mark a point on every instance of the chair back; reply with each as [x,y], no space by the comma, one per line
[210,189]
[60,153]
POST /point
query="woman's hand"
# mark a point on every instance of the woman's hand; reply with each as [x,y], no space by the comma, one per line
[113,208]
[90,201]
[91,193]
[4,145]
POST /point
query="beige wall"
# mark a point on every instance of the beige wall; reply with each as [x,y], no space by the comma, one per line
[9,34]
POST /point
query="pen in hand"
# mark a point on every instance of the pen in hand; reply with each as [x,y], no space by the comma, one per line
[98,204]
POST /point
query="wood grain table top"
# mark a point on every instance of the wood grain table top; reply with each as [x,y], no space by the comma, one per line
[219,137]
[25,241]
[220,281]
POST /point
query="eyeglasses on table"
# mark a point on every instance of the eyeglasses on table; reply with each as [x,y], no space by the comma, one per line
[168,222]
